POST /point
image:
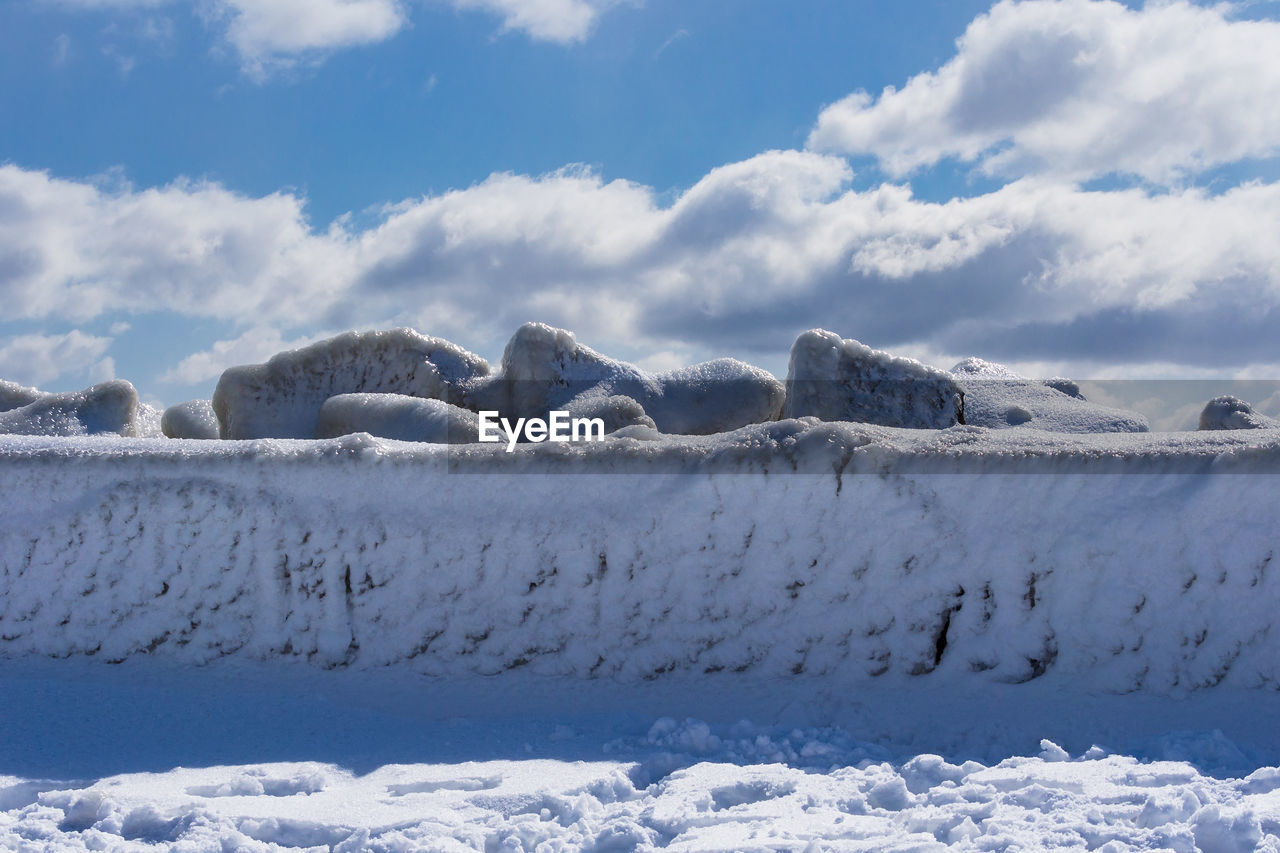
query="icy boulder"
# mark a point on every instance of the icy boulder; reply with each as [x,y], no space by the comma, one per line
[617,411]
[282,398]
[105,408]
[15,396]
[192,419]
[397,416]
[844,380]
[1229,412]
[997,397]
[545,368]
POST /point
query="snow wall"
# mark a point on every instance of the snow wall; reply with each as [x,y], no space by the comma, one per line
[1130,562]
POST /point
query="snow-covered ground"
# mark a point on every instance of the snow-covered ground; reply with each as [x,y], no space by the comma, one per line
[795,634]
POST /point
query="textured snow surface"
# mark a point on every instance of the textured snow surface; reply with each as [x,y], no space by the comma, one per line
[996,397]
[282,398]
[192,419]
[1107,803]
[545,368]
[1124,562]
[108,407]
[844,380]
[1229,412]
[396,416]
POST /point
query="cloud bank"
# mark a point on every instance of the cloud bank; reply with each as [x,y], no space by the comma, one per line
[1078,89]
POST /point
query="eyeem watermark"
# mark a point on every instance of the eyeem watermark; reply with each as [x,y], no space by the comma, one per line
[558,427]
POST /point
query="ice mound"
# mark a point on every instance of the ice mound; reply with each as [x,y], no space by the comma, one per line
[282,398]
[617,411]
[997,397]
[108,407]
[844,380]
[545,368]
[15,396]
[397,416]
[1227,412]
[192,419]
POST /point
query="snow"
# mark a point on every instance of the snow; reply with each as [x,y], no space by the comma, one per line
[844,380]
[192,419]
[282,398]
[108,407]
[997,397]
[14,396]
[396,416]
[1229,412]
[545,368]
[844,550]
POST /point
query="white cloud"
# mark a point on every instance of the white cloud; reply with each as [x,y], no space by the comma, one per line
[273,32]
[36,359]
[562,21]
[1079,88]
[748,256]
[254,346]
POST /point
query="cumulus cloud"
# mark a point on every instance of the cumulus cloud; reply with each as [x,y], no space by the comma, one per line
[36,359]
[254,346]
[1077,89]
[751,254]
[562,21]
[272,34]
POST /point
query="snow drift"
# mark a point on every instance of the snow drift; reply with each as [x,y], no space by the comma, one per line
[849,552]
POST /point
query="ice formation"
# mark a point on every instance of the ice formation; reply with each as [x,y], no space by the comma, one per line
[844,380]
[282,398]
[396,416]
[545,368]
[106,408]
[1229,412]
[840,550]
[15,396]
[192,419]
[997,397]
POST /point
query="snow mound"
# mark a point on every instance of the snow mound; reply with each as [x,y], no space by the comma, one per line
[282,398]
[108,407]
[1229,412]
[15,396]
[192,419]
[617,411]
[397,416]
[545,368]
[844,380]
[997,397]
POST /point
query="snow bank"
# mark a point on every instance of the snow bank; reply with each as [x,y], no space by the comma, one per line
[282,398]
[843,551]
[997,397]
[396,416]
[192,419]
[1229,412]
[545,368]
[106,408]
[844,380]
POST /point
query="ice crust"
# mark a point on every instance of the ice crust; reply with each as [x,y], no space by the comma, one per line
[106,408]
[843,380]
[192,419]
[282,398]
[545,368]
[396,416]
[997,397]
[1229,412]
[1121,562]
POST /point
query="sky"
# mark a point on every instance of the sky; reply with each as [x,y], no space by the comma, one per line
[1070,187]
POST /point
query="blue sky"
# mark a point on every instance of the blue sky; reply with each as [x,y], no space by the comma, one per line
[1070,187]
